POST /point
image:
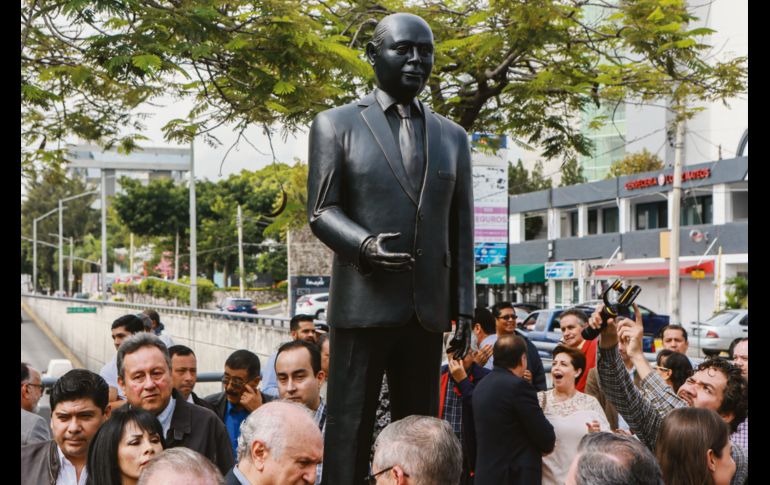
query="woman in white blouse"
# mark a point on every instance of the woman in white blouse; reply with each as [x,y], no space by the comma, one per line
[573,414]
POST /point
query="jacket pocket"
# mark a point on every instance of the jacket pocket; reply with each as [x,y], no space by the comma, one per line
[442,174]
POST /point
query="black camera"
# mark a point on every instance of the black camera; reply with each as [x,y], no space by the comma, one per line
[620,307]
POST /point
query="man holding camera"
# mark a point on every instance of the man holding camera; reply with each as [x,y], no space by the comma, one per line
[715,385]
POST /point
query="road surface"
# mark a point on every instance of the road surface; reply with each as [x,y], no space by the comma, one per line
[36,350]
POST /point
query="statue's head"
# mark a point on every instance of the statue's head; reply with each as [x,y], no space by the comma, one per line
[401,52]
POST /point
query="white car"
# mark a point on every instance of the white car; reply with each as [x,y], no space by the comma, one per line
[313,304]
[719,333]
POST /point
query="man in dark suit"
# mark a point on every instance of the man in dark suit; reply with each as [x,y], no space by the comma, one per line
[184,374]
[512,433]
[144,373]
[390,192]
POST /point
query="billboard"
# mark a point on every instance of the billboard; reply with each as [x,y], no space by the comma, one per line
[490,197]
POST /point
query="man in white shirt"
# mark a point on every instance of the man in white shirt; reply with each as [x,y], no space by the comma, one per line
[78,407]
[122,328]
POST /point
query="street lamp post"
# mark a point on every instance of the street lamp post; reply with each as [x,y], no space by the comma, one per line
[71,277]
[61,232]
[103,267]
[193,235]
[34,248]
[239,221]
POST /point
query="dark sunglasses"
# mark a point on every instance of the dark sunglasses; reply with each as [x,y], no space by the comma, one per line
[372,479]
[236,382]
[507,317]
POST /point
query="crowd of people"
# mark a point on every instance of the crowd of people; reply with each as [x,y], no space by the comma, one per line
[610,417]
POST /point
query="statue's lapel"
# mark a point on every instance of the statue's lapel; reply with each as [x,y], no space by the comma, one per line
[433,143]
[378,124]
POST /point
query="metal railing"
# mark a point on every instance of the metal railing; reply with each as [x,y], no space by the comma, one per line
[267,320]
[49,381]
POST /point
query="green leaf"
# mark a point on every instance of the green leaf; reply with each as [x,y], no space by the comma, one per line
[283,87]
[672,27]
[146,62]
[685,43]
[237,43]
[700,31]
[656,15]
[80,74]
[200,50]
[478,17]
[272,105]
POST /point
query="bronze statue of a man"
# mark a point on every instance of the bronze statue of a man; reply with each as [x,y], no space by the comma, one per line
[390,192]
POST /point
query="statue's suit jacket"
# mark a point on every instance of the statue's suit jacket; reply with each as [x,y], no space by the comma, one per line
[358,187]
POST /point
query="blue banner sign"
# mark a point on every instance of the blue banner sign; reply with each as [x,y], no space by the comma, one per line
[490,253]
[563,270]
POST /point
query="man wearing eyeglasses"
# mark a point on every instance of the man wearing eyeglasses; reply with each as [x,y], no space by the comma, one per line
[240,395]
[505,324]
[33,427]
[416,450]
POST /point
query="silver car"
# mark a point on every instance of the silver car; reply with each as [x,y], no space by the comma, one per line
[719,333]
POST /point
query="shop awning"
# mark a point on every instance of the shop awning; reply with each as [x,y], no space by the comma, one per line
[652,270]
[520,273]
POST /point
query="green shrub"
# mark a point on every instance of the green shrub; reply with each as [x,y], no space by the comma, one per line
[167,290]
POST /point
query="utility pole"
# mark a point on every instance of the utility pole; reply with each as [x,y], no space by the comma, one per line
[34,247]
[71,276]
[239,223]
[103,266]
[176,257]
[676,194]
[34,256]
[193,234]
[131,254]
[61,246]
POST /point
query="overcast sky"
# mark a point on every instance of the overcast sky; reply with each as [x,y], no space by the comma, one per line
[208,159]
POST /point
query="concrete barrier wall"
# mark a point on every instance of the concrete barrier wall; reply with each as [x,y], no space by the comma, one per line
[212,339]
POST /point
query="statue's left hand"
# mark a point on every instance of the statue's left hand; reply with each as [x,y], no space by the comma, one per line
[461,342]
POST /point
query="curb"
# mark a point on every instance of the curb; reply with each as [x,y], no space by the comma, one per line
[76,363]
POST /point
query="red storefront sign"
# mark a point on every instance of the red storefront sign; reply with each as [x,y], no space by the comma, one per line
[666,179]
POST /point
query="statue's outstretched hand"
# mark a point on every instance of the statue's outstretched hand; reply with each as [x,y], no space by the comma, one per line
[461,342]
[377,256]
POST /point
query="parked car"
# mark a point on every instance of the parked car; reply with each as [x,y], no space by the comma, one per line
[313,304]
[719,333]
[543,326]
[238,305]
[523,310]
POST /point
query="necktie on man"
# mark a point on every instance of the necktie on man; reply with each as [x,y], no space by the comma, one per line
[408,143]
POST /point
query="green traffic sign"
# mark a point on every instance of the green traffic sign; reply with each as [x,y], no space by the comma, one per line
[81,309]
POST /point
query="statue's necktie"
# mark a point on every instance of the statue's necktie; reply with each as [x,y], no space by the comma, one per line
[409,150]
